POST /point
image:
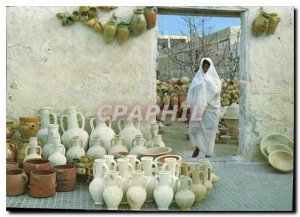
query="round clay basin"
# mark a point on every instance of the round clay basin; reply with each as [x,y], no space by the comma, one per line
[161,159]
[36,164]
[42,177]
[275,147]
[65,172]
[281,160]
[156,151]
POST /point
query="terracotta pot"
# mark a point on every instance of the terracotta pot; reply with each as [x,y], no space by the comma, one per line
[15,180]
[123,32]
[66,185]
[36,164]
[28,127]
[43,177]
[65,172]
[41,191]
[10,129]
[150,15]
[10,151]
[12,165]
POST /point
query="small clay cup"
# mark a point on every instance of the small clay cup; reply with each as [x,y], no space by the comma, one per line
[36,164]
[65,172]
[41,191]
[42,178]
[15,181]
[68,185]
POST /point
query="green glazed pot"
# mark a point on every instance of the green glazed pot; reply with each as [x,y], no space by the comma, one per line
[138,22]
[110,30]
[123,32]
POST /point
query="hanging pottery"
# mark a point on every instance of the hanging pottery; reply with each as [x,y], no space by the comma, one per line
[28,127]
[273,22]
[110,30]
[150,15]
[261,24]
[123,32]
[138,22]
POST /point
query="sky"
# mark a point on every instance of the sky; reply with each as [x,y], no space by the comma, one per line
[174,25]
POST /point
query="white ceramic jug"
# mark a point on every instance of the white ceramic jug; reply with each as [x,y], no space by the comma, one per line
[156,141]
[147,165]
[117,145]
[110,162]
[113,192]
[125,169]
[138,145]
[173,166]
[163,193]
[198,186]
[35,151]
[136,163]
[57,153]
[52,132]
[184,197]
[129,131]
[96,149]
[76,150]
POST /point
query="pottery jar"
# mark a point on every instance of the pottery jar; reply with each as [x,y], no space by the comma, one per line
[260,24]
[123,32]
[42,135]
[173,166]
[136,163]
[185,169]
[41,191]
[110,162]
[163,193]
[136,193]
[208,168]
[184,197]
[96,187]
[10,129]
[113,192]
[15,182]
[206,179]
[110,30]
[36,164]
[96,149]
[147,165]
[273,22]
[138,145]
[198,187]
[76,149]
[129,131]
[10,151]
[73,128]
[65,172]
[42,177]
[138,22]
[156,141]
[150,15]
[35,151]
[52,132]
[57,154]
[125,169]
[117,145]
[105,132]
[28,127]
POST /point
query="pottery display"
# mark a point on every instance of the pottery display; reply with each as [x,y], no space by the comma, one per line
[75,150]
[163,193]
[42,134]
[110,162]
[113,192]
[105,132]
[123,32]
[96,148]
[124,168]
[10,129]
[41,191]
[184,197]
[10,151]
[282,161]
[136,193]
[33,150]
[110,30]
[138,22]
[150,15]
[156,151]
[73,128]
[136,163]
[96,186]
[52,132]
[138,145]
[15,182]
[117,145]
[129,131]
[198,186]
[273,22]
[147,165]
[57,153]
[36,164]
[173,166]
[156,141]
[28,127]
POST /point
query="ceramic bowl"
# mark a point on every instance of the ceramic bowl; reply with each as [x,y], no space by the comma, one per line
[274,147]
[156,151]
[161,159]
[281,160]
[275,138]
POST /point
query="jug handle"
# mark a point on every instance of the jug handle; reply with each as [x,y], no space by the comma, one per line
[189,181]
[12,146]
[171,181]
[278,19]
[119,124]
[201,176]
[106,169]
[119,181]
[92,123]
[62,122]
[145,182]
[156,168]
[63,148]
[82,119]
[54,118]
[114,163]
[26,150]
[138,164]
[25,178]
[131,168]
[138,124]
[109,121]
[112,141]
[177,172]
[39,150]
[145,142]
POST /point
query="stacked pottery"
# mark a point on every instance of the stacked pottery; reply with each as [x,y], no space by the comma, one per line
[125,168]
[75,150]
[42,134]
[136,193]
[110,162]
[35,151]
[113,192]
[15,182]
[117,145]
[198,186]
[129,131]
[42,183]
[65,178]
[184,197]
[138,145]
[150,15]
[147,165]
[28,127]
[163,193]
[73,128]
[96,187]
[136,163]
[36,164]
[52,132]
[57,153]
[173,166]
[104,132]
[96,148]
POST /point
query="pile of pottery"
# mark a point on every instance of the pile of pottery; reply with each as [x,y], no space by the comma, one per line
[230,92]
[135,182]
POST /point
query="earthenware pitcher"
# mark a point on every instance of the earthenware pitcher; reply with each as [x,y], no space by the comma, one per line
[104,131]
[129,131]
[110,162]
[138,22]
[147,165]
[136,193]
[150,15]
[156,141]
[34,150]
[136,163]
[52,132]
[117,145]
[57,153]
[138,145]
[96,149]
[76,150]
[125,169]
[174,167]
[73,128]
[45,114]
[96,187]
[113,192]
[163,193]
[184,197]
[198,186]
